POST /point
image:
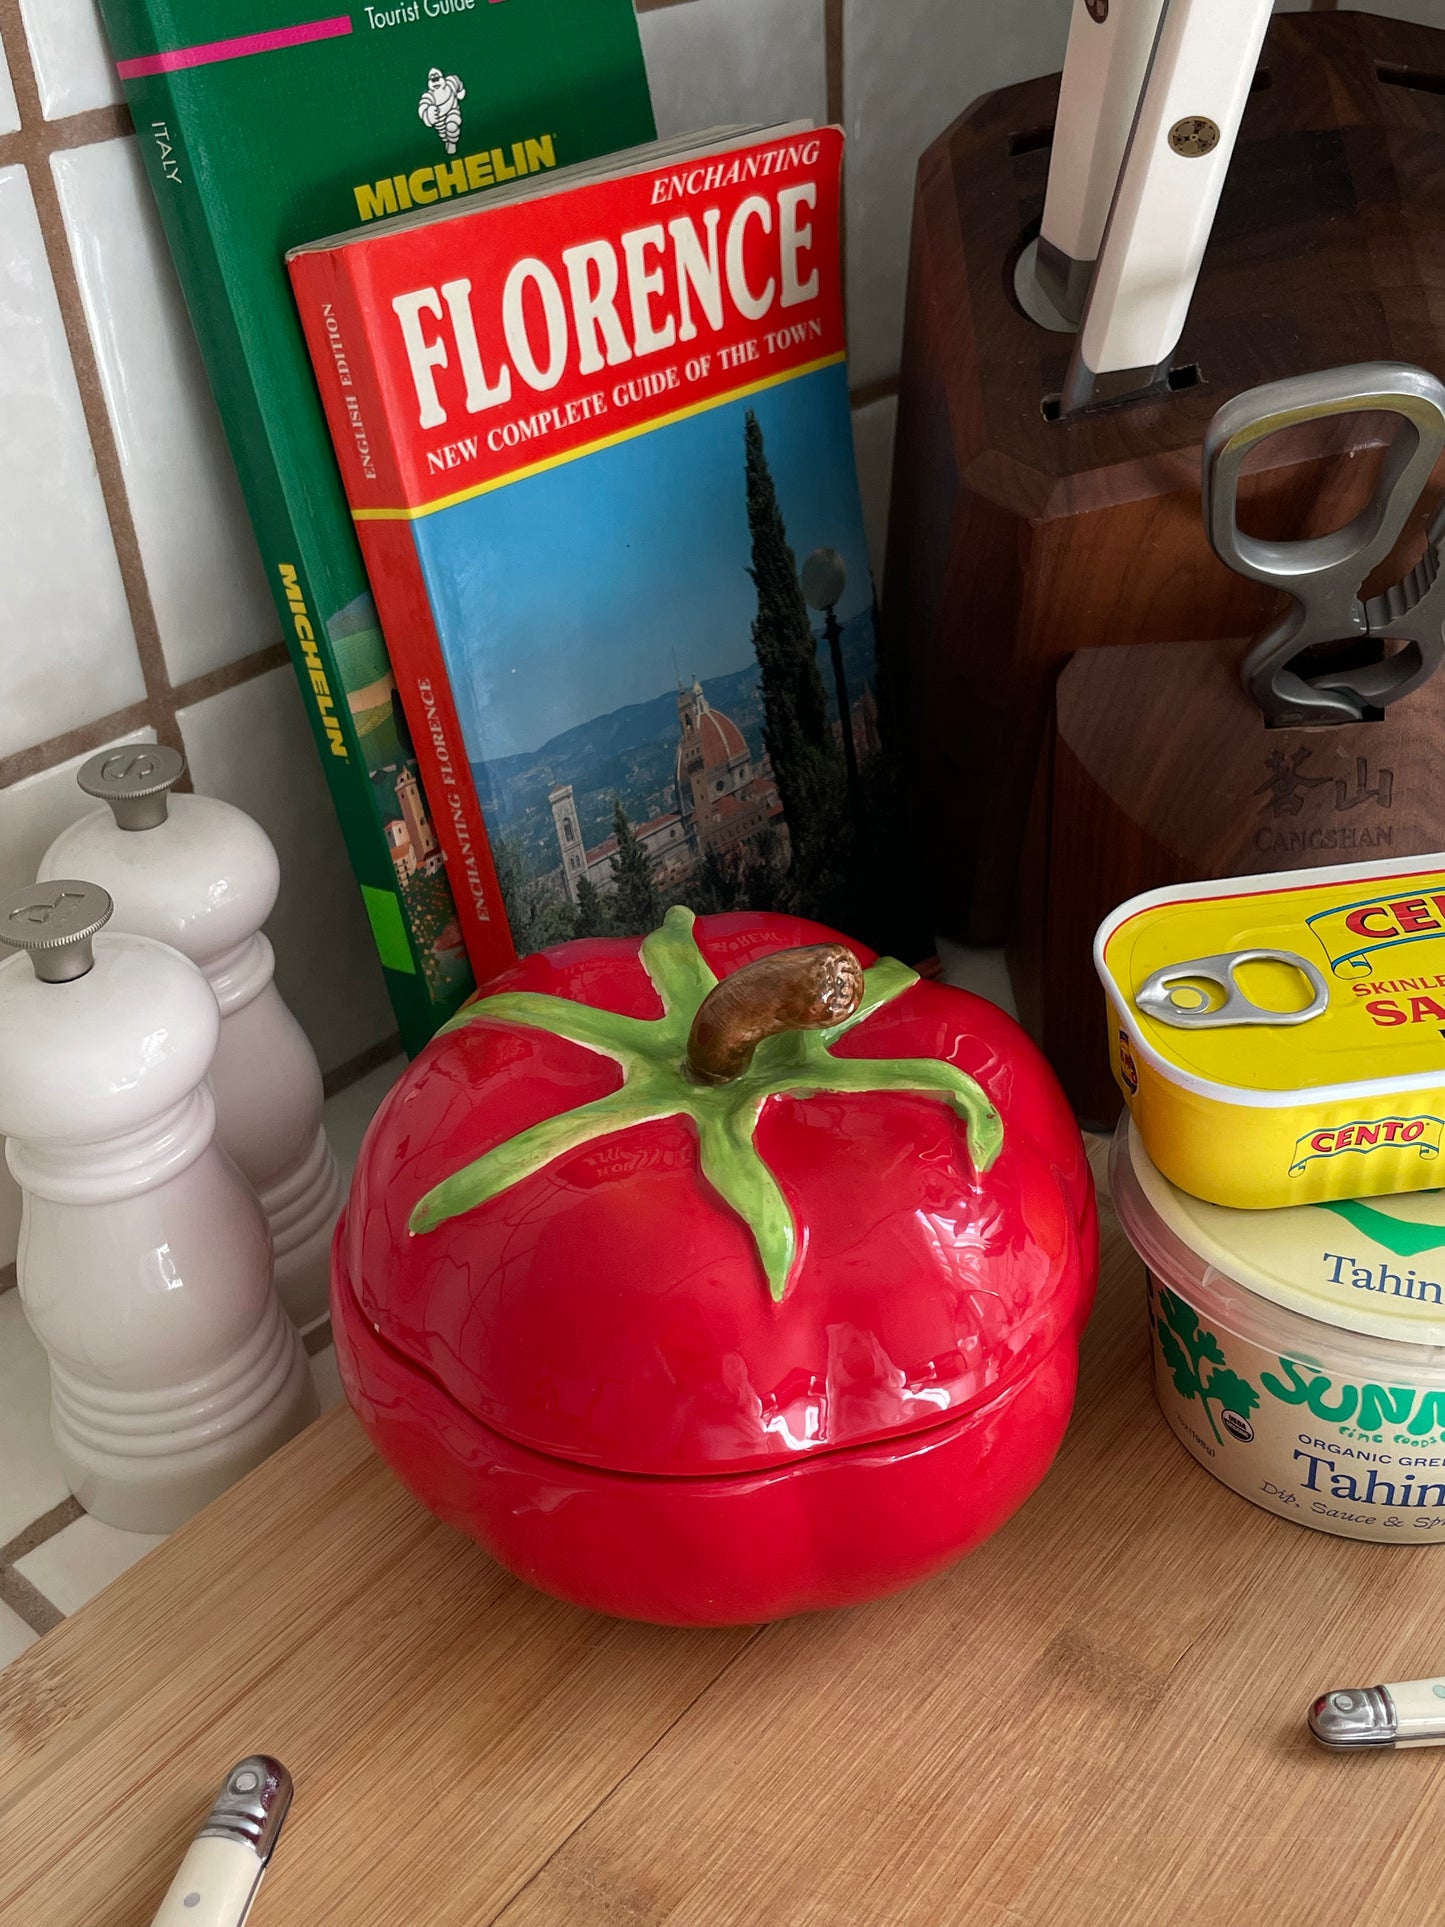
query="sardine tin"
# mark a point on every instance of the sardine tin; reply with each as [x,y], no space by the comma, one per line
[1257,1114]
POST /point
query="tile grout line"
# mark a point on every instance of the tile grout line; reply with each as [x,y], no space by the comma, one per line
[317,1337]
[28,1602]
[834,106]
[34,145]
[868,392]
[833,59]
[40,757]
[365,1061]
[39,1530]
[24,1598]
[91,124]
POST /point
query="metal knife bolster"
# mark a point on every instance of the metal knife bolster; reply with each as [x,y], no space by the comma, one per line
[1358,1716]
[1086,387]
[217,1880]
[251,1805]
[1110,43]
[1402,1714]
[1064,278]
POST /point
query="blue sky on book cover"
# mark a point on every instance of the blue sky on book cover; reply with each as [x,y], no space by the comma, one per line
[592,614]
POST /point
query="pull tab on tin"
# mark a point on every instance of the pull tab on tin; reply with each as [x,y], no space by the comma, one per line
[1172,995]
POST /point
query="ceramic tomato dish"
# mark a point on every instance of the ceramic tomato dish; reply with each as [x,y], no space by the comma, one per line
[721,1274]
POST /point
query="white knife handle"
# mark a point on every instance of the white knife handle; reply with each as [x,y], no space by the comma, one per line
[1170,183]
[1110,42]
[1419,1712]
[223,1866]
[214,1887]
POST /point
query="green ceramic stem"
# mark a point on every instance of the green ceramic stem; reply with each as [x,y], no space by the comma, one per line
[657,1083]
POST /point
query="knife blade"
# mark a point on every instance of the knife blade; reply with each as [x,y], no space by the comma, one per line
[1110,42]
[1163,210]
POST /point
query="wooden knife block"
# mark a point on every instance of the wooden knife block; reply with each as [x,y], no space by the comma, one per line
[1160,770]
[1019,542]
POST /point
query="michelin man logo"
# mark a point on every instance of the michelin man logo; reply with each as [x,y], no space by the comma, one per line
[441,106]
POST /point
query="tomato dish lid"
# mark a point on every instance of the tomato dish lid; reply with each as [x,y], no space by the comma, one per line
[894,1228]
[1374,1266]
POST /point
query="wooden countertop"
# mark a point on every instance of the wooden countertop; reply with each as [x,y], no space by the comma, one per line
[1095,1721]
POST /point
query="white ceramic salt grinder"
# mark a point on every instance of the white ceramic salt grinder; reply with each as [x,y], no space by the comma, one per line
[198,874]
[145,1261]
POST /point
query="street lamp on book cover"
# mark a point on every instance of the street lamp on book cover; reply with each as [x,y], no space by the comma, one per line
[823,579]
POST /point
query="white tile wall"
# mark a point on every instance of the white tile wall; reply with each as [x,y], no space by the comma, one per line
[68,651]
[33,812]
[873,428]
[984,972]
[82,1559]
[9,112]
[207,586]
[908,72]
[351,1111]
[73,67]
[252,746]
[715,62]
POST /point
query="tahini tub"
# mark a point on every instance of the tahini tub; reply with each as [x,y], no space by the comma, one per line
[1299,1354]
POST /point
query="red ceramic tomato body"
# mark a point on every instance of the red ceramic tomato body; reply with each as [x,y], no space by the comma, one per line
[589,1375]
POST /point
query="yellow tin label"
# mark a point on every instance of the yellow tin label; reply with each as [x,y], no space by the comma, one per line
[1265,1111]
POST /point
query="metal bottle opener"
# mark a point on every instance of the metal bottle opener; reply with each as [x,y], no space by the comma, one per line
[1324,575]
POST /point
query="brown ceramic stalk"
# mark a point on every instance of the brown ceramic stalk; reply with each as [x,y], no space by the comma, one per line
[804,989]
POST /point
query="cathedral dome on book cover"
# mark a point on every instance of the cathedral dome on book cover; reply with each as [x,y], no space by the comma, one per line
[724,805]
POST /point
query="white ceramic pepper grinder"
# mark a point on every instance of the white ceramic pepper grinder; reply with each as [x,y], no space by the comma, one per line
[201,875]
[145,1261]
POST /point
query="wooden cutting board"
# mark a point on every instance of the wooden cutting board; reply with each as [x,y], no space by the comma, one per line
[1095,1721]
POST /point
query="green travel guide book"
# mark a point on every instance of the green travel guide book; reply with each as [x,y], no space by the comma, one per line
[264,124]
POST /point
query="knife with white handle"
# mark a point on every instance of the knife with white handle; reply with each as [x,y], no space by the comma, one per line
[1411,1713]
[217,1881]
[1169,187]
[1110,42]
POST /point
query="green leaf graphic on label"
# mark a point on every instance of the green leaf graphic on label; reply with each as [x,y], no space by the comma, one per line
[1190,1350]
[1403,1237]
[1231,1392]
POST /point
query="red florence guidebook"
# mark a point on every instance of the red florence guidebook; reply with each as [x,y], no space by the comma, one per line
[596,439]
